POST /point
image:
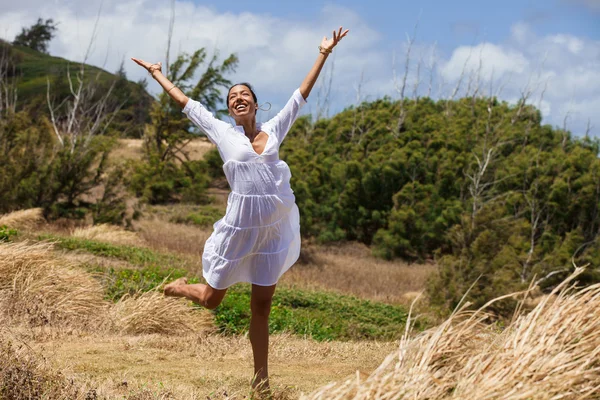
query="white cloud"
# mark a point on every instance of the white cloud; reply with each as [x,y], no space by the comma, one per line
[573,44]
[561,71]
[492,60]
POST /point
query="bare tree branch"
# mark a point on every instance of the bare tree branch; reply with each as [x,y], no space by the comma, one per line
[52,117]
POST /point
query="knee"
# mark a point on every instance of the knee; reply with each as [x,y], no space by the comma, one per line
[211,302]
[260,308]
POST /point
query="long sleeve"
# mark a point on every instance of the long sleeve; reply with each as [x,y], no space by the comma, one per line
[283,121]
[205,120]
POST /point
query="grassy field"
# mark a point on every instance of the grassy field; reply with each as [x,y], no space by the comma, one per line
[82,317]
[323,328]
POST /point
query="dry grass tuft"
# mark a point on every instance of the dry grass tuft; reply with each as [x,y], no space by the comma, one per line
[25,375]
[152,312]
[109,233]
[23,219]
[552,352]
[40,289]
[43,289]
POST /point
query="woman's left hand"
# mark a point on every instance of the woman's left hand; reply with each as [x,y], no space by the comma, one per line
[329,44]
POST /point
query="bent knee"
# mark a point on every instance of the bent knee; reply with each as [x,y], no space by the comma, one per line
[211,304]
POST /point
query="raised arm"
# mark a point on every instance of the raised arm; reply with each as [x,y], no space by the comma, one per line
[196,112]
[325,49]
[171,89]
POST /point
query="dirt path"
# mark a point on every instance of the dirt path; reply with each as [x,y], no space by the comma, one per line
[210,364]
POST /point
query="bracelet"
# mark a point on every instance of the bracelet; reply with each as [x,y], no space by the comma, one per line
[173,87]
[323,50]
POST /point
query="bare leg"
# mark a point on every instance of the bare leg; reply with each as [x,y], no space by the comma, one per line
[199,293]
[260,305]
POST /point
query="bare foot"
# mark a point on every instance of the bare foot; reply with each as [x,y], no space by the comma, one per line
[261,388]
[171,288]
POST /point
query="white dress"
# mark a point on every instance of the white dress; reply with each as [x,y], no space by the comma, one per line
[258,239]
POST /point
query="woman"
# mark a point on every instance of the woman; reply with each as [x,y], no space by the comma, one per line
[259,237]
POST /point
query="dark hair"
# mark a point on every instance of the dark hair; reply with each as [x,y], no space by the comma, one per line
[242,84]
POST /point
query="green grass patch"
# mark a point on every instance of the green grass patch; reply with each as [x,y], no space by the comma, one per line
[134,255]
[205,216]
[316,314]
[119,282]
[320,315]
[7,233]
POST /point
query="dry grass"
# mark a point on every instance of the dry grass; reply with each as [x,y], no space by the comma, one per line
[178,238]
[197,366]
[23,219]
[25,375]
[152,312]
[128,149]
[351,269]
[109,233]
[132,149]
[348,269]
[43,289]
[552,352]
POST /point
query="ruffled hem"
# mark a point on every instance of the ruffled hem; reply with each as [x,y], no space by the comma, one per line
[263,269]
[231,256]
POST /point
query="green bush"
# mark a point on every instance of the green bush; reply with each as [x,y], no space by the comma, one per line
[214,164]
[163,182]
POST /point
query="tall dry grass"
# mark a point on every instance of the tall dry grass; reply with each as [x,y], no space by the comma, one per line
[152,312]
[23,219]
[108,233]
[39,288]
[43,289]
[348,269]
[351,269]
[178,238]
[552,352]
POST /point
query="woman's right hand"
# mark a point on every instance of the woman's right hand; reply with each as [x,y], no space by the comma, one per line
[151,68]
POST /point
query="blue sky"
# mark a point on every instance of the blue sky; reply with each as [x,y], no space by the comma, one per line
[448,22]
[548,49]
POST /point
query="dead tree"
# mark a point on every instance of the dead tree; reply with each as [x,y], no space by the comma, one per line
[400,87]
[8,80]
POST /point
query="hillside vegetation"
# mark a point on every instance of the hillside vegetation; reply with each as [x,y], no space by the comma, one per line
[483,187]
[35,70]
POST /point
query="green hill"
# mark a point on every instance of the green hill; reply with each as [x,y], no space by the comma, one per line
[35,69]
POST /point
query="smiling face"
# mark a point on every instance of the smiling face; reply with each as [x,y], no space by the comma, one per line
[241,103]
